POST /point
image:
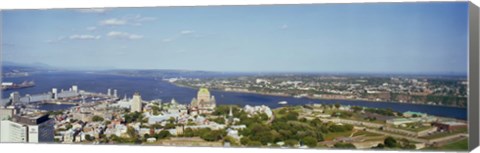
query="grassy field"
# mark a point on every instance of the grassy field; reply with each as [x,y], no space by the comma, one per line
[416,129]
[444,134]
[365,133]
[193,141]
[460,145]
[331,136]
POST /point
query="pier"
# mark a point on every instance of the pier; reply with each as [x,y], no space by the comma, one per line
[72,96]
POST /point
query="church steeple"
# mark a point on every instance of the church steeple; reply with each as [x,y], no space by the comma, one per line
[230,116]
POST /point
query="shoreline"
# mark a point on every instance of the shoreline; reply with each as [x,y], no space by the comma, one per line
[311,98]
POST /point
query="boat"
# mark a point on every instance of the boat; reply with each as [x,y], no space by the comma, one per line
[11,85]
[283,102]
[297,96]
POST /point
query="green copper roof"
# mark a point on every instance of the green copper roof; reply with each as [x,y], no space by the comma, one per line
[203,91]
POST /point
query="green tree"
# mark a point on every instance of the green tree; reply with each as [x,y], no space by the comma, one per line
[68,126]
[291,142]
[344,145]
[155,109]
[244,140]
[219,120]
[357,108]
[291,116]
[188,132]
[214,135]
[88,137]
[379,146]
[163,134]
[337,105]
[254,144]
[97,118]
[310,141]
[390,142]
[231,140]
[132,133]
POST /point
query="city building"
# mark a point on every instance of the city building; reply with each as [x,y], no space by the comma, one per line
[204,103]
[414,114]
[253,110]
[400,121]
[115,93]
[123,103]
[75,88]
[14,97]
[31,128]
[136,103]
[7,113]
[449,126]
[55,93]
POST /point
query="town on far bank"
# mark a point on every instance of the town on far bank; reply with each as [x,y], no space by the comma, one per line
[448,91]
[108,118]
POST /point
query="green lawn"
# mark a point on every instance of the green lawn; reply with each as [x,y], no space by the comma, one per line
[444,134]
[416,129]
[331,136]
[460,145]
[365,133]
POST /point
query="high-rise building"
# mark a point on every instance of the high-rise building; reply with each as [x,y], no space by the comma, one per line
[7,113]
[14,97]
[136,103]
[29,128]
[75,88]
[54,93]
[115,93]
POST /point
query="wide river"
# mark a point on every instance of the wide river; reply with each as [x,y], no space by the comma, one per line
[151,88]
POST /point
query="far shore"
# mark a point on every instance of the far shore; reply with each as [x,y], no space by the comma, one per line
[314,98]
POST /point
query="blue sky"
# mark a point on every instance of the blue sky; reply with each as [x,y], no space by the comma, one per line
[358,38]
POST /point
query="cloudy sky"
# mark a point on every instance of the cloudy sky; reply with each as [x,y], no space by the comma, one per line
[379,38]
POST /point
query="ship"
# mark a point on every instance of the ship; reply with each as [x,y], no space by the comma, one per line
[283,102]
[11,85]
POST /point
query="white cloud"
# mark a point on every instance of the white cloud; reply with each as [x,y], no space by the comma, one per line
[284,26]
[139,18]
[136,20]
[113,21]
[61,39]
[84,37]
[123,35]
[92,10]
[91,28]
[51,41]
[186,32]
[178,35]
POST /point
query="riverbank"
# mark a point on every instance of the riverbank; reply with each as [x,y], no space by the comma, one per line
[315,98]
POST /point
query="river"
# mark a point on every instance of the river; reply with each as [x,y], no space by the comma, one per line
[151,88]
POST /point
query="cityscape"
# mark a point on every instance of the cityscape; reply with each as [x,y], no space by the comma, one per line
[193,76]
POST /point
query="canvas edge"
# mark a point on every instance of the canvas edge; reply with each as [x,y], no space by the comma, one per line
[473,76]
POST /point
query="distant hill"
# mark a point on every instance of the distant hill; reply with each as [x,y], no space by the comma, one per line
[8,66]
[166,73]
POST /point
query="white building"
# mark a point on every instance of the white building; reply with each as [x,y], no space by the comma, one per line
[136,103]
[31,129]
[258,110]
[123,103]
[6,113]
[13,132]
